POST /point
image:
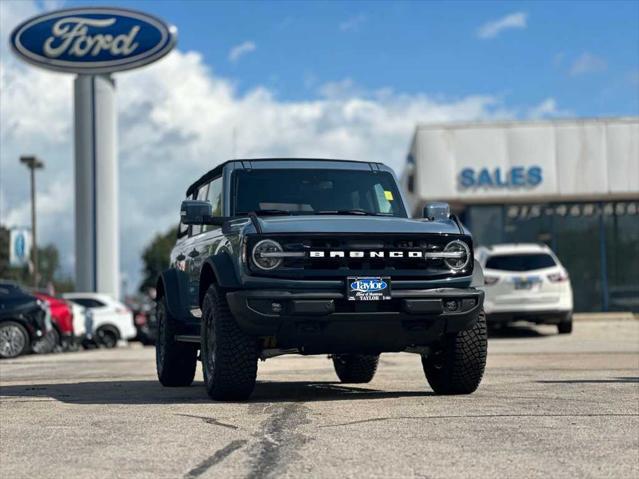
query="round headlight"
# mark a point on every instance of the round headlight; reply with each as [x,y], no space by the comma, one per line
[263,256]
[460,257]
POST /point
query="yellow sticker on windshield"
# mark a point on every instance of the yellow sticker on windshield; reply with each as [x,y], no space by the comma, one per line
[388,195]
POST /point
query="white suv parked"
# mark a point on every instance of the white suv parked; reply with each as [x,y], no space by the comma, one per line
[111,320]
[526,282]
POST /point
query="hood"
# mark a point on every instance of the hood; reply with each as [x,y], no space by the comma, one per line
[354,224]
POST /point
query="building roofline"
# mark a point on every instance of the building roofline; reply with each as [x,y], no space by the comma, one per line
[514,123]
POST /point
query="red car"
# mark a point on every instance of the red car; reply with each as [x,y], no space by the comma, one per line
[62,319]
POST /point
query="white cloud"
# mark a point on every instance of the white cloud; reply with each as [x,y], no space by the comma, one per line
[176,121]
[547,109]
[352,24]
[495,27]
[345,88]
[587,63]
[240,50]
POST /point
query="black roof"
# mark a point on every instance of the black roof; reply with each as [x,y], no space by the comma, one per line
[216,171]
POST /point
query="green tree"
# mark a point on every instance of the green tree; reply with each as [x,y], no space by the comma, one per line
[156,258]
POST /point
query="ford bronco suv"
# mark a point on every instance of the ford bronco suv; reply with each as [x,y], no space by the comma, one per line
[281,256]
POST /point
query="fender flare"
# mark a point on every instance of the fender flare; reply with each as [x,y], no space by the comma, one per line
[173,284]
[223,270]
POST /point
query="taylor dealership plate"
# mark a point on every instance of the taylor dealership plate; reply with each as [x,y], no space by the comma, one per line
[368,288]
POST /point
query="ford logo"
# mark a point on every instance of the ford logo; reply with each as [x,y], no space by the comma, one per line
[368,285]
[92,40]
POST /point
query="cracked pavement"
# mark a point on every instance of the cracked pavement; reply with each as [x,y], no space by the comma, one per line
[549,406]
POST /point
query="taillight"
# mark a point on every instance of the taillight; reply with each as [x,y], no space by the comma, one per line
[558,277]
[490,280]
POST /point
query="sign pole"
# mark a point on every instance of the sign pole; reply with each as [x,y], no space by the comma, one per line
[33,164]
[96,200]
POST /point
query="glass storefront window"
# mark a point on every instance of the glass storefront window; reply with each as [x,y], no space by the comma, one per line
[597,242]
[576,242]
[622,255]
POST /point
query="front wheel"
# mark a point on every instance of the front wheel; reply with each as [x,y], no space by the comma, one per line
[458,365]
[14,339]
[229,355]
[355,368]
[175,362]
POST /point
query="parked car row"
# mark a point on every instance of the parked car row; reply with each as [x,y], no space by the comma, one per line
[42,323]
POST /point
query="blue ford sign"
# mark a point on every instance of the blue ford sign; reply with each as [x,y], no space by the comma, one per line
[93,40]
[515,177]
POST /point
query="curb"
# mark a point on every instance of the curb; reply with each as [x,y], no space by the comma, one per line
[617,316]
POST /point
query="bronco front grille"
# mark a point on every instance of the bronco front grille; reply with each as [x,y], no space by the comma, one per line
[347,255]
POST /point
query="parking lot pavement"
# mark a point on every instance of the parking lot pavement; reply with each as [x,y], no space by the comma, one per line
[549,406]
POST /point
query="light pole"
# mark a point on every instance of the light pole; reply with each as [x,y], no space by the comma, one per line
[33,164]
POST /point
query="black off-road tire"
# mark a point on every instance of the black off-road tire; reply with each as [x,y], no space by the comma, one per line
[175,362]
[458,366]
[229,355]
[565,327]
[355,368]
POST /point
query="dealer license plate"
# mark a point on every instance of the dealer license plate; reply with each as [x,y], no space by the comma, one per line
[368,288]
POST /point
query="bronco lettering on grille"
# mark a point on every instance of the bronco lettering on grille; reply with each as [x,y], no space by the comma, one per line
[366,254]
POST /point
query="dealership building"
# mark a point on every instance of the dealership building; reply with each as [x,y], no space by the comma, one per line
[571,184]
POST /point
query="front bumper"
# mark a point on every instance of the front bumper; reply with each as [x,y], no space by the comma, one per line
[326,322]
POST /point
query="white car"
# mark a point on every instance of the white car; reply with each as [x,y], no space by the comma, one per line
[526,282]
[110,320]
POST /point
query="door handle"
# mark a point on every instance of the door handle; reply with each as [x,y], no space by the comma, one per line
[180,257]
[194,253]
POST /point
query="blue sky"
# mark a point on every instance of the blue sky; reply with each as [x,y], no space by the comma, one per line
[585,55]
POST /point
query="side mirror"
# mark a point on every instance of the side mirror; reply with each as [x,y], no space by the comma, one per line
[437,211]
[195,212]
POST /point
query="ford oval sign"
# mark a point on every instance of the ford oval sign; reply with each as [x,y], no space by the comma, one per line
[93,40]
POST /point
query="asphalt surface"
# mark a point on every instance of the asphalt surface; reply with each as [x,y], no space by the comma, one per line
[549,406]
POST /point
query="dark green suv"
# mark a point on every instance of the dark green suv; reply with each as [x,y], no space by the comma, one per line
[281,256]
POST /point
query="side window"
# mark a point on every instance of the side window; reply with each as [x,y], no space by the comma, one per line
[201,195]
[88,302]
[215,198]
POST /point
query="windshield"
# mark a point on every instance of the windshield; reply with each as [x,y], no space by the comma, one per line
[520,262]
[307,192]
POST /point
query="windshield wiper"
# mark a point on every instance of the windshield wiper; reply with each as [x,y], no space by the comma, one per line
[354,211]
[267,212]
